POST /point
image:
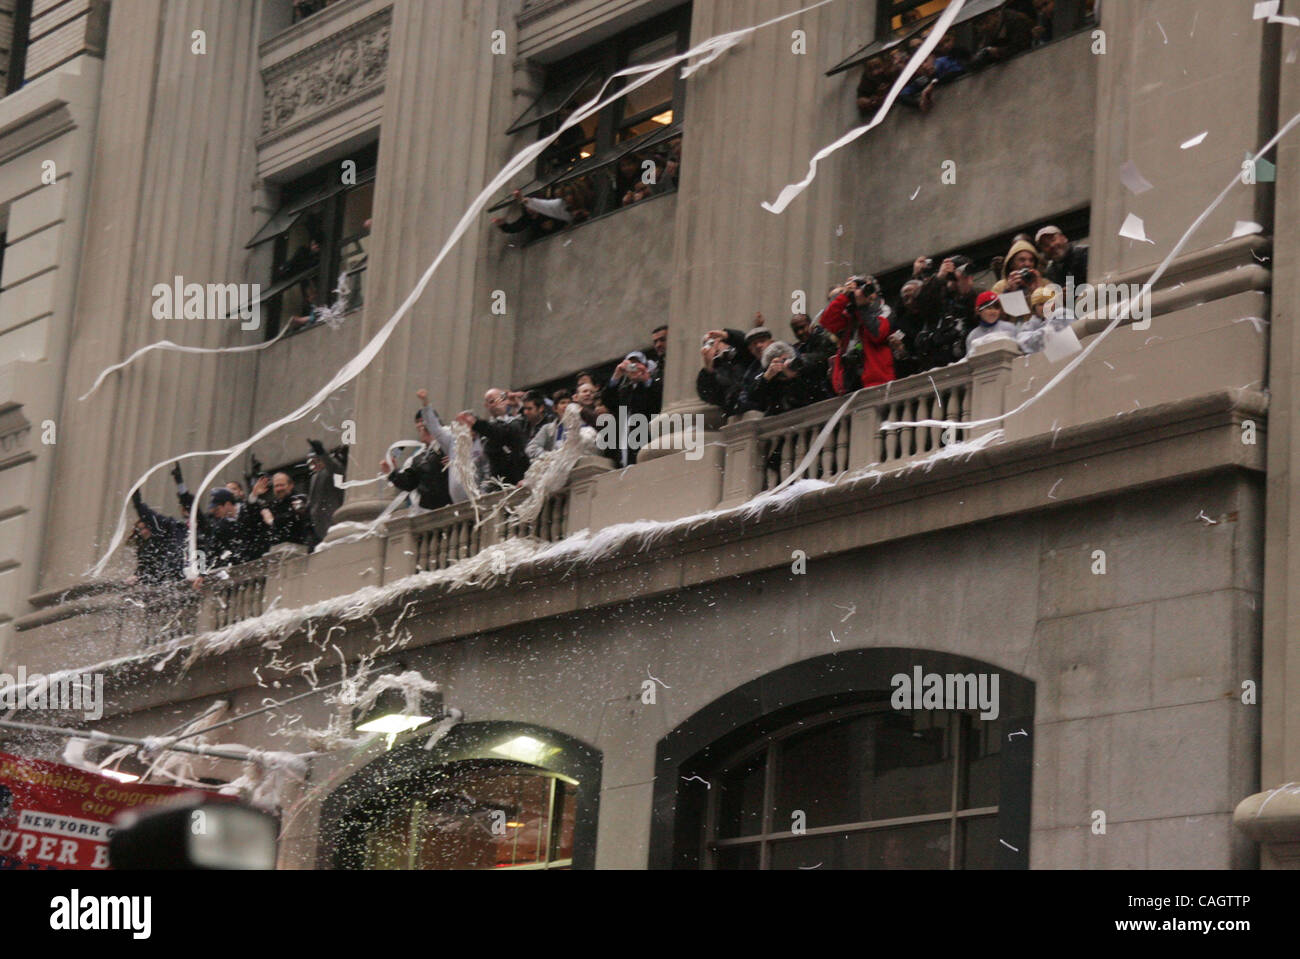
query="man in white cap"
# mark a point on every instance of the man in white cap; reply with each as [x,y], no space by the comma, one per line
[1064,259]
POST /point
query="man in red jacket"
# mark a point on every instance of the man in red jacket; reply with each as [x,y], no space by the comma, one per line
[857,318]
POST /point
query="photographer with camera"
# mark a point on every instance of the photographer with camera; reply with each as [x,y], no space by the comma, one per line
[814,348]
[1021,270]
[721,381]
[786,382]
[947,302]
[859,318]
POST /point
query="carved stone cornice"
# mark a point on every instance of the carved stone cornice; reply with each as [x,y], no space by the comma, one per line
[15,437]
[327,76]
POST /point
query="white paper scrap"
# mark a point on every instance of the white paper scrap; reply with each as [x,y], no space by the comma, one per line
[1134,229]
[1194,141]
[1132,178]
[1013,302]
[1245,228]
[1060,344]
[1266,8]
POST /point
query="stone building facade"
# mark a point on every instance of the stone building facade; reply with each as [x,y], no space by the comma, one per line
[718,694]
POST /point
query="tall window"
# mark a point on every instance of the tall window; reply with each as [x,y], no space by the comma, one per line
[15,25]
[470,815]
[599,163]
[865,787]
[321,233]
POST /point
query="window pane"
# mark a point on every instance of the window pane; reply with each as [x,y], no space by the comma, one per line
[471,819]
[357,205]
[736,857]
[646,126]
[740,799]
[655,92]
[923,846]
[910,12]
[566,812]
[821,852]
[984,739]
[980,846]
[877,766]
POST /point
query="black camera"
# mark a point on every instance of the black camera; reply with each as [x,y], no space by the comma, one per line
[942,343]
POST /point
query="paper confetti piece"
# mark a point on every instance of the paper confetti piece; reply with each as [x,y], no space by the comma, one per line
[1194,141]
[1266,8]
[1134,229]
[1060,344]
[1130,176]
[1013,301]
[1245,228]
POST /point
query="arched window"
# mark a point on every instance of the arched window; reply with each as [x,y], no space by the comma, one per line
[866,787]
[491,795]
[836,762]
[471,815]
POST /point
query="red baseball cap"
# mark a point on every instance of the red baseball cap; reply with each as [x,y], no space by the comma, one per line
[986,299]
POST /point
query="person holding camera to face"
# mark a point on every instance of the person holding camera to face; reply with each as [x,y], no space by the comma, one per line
[786,381]
[858,317]
[945,302]
[724,359]
[1021,270]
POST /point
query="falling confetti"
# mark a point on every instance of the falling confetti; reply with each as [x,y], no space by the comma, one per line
[657,679]
[1134,229]
[1133,179]
[1194,141]
[707,784]
[1206,520]
[852,608]
[1051,493]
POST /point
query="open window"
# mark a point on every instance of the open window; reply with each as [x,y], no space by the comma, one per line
[1018,25]
[321,237]
[602,164]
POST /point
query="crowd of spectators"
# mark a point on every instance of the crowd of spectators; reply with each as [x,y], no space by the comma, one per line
[634,177]
[1000,34]
[860,340]
[519,426]
[237,527]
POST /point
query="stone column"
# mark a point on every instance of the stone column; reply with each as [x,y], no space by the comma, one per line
[731,257]
[441,141]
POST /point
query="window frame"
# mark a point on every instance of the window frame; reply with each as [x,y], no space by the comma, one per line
[16,65]
[319,187]
[960,724]
[449,772]
[885,38]
[571,76]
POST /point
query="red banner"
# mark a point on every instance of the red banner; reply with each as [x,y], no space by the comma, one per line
[59,817]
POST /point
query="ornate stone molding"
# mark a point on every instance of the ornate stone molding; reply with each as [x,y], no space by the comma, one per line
[15,437]
[337,71]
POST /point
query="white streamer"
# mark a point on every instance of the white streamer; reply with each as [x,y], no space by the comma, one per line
[518,163]
[792,190]
[177,348]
